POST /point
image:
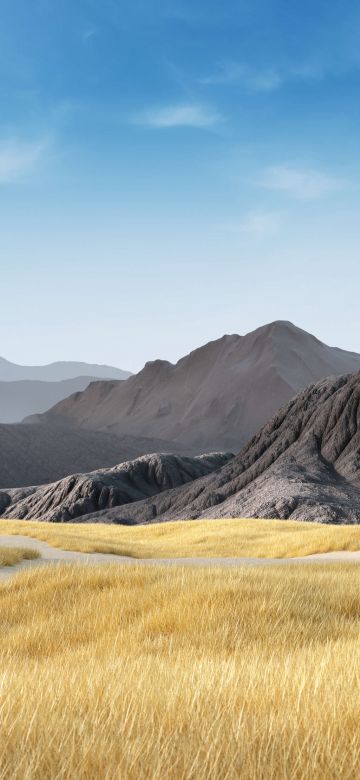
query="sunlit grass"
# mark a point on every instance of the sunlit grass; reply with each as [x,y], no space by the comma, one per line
[9,556]
[158,672]
[196,538]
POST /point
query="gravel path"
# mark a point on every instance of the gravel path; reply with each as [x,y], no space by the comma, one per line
[52,555]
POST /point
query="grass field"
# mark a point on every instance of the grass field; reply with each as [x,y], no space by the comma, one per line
[180,674]
[9,556]
[203,538]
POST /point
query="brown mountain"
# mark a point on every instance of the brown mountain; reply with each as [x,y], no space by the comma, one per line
[216,397]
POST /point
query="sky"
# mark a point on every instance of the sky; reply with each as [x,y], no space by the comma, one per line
[173,170]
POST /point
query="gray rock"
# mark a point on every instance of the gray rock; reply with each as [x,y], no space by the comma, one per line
[304,464]
[108,489]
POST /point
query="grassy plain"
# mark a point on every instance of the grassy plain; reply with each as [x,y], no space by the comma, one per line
[169,672]
[9,556]
[202,538]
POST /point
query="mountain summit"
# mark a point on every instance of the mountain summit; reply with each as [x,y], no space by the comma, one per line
[216,397]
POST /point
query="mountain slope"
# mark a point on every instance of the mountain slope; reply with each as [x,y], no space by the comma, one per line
[216,397]
[57,372]
[304,464]
[80,494]
[26,397]
[35,454]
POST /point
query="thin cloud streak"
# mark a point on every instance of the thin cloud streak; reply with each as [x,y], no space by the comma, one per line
[257,223]
[19,158]
[302,183]
[270,79]
[266,80]
[191,115]
[89,33]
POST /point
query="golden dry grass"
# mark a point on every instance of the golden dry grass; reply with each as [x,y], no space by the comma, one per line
[201,538]
[173,673]
[9,556]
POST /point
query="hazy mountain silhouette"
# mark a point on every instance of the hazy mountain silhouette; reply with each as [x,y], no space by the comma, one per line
[28,390]
[57,372]
[26,397]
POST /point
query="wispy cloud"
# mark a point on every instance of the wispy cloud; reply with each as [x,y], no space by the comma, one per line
[257,223]
[19,158]
[269,79]
[188,115]
[303,183]
[265,80]
[89,33]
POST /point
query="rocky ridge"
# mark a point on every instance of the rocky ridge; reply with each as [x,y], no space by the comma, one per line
[304,464]
[80,494]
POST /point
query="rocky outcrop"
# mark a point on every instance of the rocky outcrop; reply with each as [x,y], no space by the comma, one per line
[304,464]
[80,494]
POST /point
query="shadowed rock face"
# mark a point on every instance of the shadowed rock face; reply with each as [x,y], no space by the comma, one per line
[81,494]
[216,397]
[304,464]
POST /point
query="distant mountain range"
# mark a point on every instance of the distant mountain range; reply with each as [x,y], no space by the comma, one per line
[216,397]
[26,397]
[57,372]
[27,390]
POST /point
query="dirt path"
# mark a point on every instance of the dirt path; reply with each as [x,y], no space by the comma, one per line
[52,555]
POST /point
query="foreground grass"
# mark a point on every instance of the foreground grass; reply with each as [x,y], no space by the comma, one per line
[138,672]
[202,538]
[9,556]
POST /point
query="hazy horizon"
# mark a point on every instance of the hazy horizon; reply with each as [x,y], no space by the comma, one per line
[173,171]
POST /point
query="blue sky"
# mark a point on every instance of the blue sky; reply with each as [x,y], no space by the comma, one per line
[171,171]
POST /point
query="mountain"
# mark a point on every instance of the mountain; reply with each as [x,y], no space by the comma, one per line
[216,397]
[26,397]
[35,454]
[57,372]
[77,495]
[304,464]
